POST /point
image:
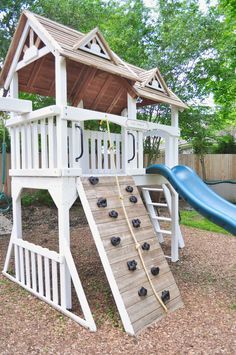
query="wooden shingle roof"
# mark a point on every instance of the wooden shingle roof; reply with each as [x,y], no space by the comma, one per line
[67,42]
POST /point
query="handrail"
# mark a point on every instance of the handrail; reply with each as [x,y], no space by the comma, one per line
[134,152]
[36,115]
[81,143]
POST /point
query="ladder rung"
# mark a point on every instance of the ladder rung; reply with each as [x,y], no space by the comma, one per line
[163,231]
[151,189]
[158,204]
[162,218]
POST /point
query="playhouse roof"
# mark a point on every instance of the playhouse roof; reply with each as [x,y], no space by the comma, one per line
[90,50]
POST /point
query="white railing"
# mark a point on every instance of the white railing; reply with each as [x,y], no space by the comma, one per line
[37,269]
[49,142]
[98,157]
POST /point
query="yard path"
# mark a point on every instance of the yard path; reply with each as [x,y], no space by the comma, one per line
[206,276]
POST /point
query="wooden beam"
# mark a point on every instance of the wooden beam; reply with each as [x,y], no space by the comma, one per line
[102,92]
[25,48]
[34,72]
[89,76]
[77,82]
[115,100]
[31,38]
[37,42]
[15,105]
[131,90]
[41,53]
[17,55]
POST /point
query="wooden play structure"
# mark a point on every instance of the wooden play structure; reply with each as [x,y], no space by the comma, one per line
[52,149]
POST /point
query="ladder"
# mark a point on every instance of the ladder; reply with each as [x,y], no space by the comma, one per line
[171,205]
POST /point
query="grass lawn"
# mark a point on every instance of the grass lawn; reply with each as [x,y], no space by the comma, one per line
[194,219]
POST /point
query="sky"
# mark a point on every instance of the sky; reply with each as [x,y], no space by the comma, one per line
[202,4]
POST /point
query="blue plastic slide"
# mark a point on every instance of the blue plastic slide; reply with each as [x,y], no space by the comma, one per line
[193,190]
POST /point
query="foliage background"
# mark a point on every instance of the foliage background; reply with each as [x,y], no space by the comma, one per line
[195,51]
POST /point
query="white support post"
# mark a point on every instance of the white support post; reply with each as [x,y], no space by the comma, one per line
[175,123]
[17,227]
[14,93]
[62,159]
[61,100]
[132,109]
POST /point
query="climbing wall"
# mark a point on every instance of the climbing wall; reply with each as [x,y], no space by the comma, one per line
[138,298]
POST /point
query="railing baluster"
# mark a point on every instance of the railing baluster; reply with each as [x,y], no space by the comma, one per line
[44,153]
[27,268]
[22,265]
[55,282]
[23,147]
[35,145]
[51,146]
[33,271]
[47,278]
[40,275]
[29,146]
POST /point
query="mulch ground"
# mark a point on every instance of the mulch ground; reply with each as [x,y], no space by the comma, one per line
[206,276]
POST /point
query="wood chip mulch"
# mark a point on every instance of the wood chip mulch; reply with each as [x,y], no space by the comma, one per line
[206,276]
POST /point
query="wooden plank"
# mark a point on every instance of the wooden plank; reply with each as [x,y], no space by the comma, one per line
[33,271]
[15,105]
[115,100]
[142,311]
[55,297]
[88,78]
[101,92]
[47,278]
[126,239]
[114,202]
[149,304]
[102,215]
[40,275]
[27,268]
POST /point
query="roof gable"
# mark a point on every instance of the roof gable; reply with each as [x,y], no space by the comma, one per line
[154,80]
[95,44]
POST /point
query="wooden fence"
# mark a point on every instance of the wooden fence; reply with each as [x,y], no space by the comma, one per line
[218,166]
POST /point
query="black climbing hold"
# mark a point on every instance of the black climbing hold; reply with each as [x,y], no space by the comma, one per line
[102,202]
[136,222]
[165,296]
[132,265]
[146,246]
[115,241]
[113,214]
[129,189]
[133,199]
[155,270]
[142,292]
[93,180]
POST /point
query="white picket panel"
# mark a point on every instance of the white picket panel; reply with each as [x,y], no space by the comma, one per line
[35,144]
[29,146]
[27,268]
[33,271]
[47,278]
[51,145]
[18,147]
[44,148]
[40,275]
[23,147]
[17,265]
[22,265]
[55,297]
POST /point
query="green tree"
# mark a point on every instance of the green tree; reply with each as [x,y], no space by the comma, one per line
[225,144]
[201,125]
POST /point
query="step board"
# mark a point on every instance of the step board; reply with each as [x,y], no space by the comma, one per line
[138,312]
